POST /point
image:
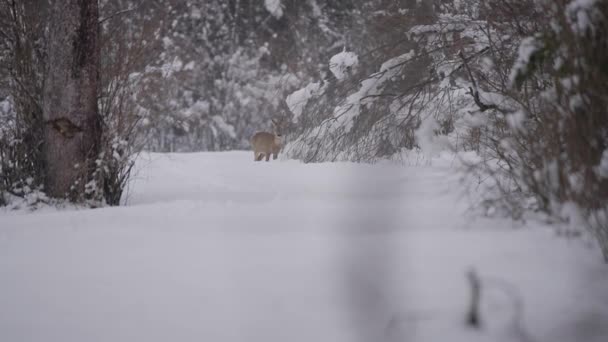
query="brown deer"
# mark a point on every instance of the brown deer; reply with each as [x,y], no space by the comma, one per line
[264,143]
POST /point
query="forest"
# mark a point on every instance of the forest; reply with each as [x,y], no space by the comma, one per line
[381,117]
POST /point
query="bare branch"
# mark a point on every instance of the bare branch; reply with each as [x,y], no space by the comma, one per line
[474,91]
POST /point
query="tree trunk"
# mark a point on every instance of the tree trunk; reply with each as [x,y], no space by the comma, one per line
[72,127]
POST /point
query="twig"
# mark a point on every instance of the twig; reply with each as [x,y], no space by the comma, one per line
[121,12]
[474,91]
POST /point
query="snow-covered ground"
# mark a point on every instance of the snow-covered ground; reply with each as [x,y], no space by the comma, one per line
[215,247]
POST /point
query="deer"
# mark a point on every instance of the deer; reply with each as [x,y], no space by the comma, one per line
[264,143]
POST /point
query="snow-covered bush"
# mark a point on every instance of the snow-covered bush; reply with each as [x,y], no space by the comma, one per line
[17,166]
[366,121]
[569,132]
[548,141]
[129,69]
[335,117]
[21,68]
[411,74]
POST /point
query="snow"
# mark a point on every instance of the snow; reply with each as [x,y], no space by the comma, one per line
[223,126]
[527,48]
[196,13]
[316,9]
[602,169]
[341,64]
[297,100]
[216,247]
[516,120]
[346,113]
[430,143]
[397,61]
[274,7]
[189,66]
[5,106]
[581,13]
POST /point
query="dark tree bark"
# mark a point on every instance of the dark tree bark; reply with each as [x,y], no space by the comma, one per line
[72,127]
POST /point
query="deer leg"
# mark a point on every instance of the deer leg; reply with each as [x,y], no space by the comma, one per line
[260,156]
[267,156]
[274,156]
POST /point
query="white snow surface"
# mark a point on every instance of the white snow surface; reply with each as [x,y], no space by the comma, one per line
[216,247]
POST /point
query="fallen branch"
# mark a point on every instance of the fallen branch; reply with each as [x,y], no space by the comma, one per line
[473,316]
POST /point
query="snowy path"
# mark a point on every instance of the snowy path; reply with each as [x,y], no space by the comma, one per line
[214,247]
